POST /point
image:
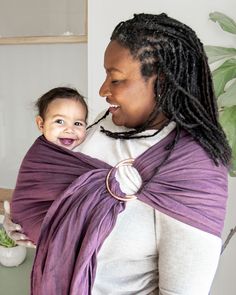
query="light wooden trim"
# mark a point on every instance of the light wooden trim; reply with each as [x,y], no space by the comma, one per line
[42,40]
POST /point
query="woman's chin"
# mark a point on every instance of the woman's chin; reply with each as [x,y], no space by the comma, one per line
[116,121]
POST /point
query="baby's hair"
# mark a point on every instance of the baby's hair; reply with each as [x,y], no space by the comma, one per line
[59,93]
[183,88]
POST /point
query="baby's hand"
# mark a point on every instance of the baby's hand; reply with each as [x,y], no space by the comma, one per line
[14,230]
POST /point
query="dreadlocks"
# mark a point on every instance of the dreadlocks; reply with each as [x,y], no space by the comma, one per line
[183,88]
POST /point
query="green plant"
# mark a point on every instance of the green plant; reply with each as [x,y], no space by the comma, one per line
[6,241]
[224,74]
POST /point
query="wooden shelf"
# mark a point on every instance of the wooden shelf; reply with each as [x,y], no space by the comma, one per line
[43,40]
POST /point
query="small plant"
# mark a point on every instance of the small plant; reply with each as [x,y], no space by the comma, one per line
[224,79]
[6,241]
[224,58]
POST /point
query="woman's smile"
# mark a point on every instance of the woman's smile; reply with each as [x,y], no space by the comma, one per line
[114,108]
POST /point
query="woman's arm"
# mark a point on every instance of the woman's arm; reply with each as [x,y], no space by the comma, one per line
[188,257]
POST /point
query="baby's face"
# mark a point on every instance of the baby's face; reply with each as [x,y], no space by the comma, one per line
[64,123]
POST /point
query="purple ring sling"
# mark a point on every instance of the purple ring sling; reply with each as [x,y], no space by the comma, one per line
[62,203]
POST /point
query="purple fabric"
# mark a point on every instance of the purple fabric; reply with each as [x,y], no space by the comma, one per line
[64,195]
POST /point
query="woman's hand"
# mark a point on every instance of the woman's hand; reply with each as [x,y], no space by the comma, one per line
[14,230]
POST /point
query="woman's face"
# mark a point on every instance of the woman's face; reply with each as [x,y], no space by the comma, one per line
[130,96]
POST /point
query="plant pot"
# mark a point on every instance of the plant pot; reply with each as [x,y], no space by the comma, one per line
[13,256]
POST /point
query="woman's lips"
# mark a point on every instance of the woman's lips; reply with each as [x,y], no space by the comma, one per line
[113,108]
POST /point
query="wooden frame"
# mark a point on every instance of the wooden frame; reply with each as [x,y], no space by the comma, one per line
[42,40]
[48,39]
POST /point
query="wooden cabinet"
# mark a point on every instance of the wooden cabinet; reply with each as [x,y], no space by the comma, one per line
[44,21]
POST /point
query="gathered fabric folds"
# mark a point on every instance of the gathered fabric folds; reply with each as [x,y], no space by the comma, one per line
[62,202]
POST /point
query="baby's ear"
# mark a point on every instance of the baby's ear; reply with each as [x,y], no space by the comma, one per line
[39,123]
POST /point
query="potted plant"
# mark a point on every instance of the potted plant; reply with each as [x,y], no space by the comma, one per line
[11,254]
[224,79]
[224,74]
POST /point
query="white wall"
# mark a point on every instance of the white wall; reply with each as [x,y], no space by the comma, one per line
[27,71]
[103,15]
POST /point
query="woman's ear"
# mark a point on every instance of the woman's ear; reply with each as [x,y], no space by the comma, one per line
[39,123]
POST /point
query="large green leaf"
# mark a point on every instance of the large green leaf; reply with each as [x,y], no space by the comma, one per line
[223,74]
[228,122]
[216,53]
[228,98]
[226,23]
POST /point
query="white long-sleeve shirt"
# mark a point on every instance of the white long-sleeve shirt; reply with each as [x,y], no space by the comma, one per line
[147,252]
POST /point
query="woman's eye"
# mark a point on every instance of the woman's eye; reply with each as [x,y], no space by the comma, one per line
[59,121]
[115,81]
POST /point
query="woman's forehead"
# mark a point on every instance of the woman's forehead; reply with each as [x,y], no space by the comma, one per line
[117,56]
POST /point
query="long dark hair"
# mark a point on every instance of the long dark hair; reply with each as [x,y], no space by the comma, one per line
[184,90]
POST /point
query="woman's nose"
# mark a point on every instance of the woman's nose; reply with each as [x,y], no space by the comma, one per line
[104,89]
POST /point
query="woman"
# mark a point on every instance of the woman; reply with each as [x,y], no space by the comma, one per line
[152,223]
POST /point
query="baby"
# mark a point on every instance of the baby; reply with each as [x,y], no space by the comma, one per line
[62,116]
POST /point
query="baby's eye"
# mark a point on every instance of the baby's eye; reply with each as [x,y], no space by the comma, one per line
[59,121]
[79,124]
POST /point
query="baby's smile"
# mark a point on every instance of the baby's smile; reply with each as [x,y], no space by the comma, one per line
[66,141]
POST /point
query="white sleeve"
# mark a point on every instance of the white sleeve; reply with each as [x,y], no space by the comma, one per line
[188,257]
